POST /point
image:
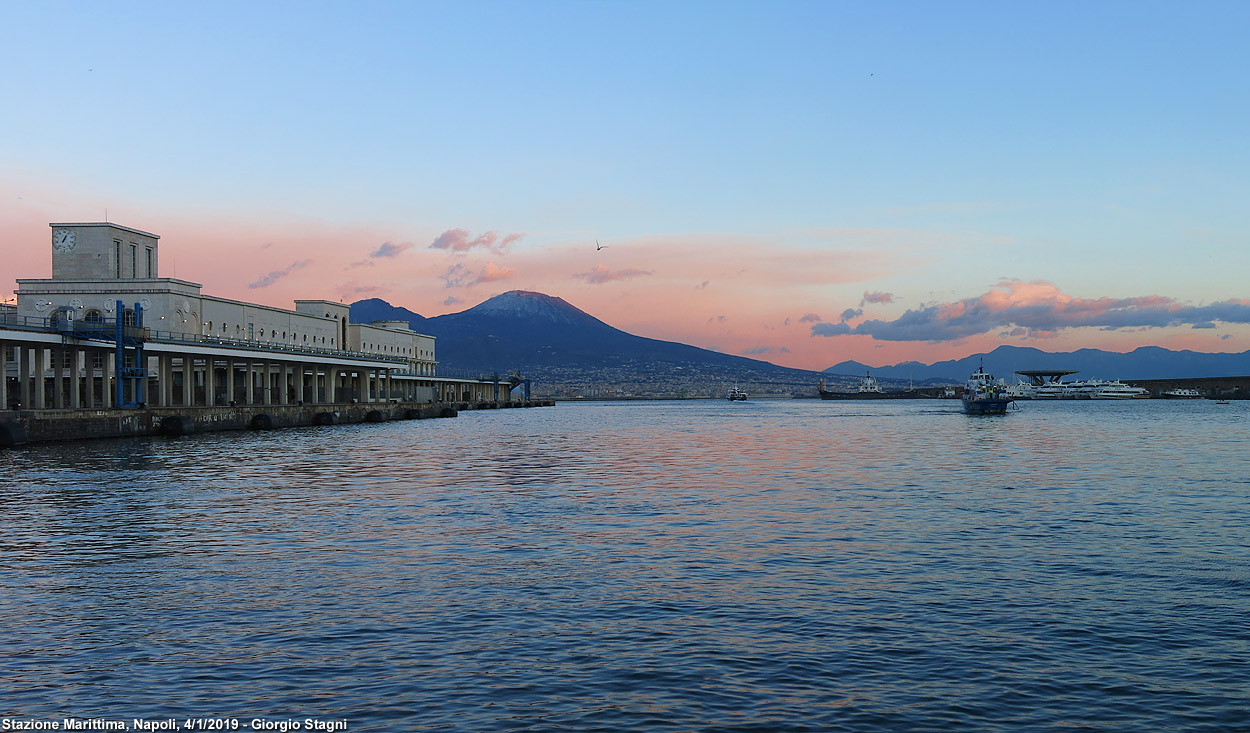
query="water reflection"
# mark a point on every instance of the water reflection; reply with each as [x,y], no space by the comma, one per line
[672,566]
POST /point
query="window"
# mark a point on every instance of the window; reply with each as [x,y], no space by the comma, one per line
[150,273]
[134,266]
[117,258]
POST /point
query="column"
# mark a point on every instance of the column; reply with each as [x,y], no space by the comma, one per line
[4,376]
[210,381]
[266,394]
[165,373]
[332,375]
[23,376]
[299,381]
[75,377]
[37,386]
[56,360]
[229,381]
[188,381]
[107,366]
[248,384]
[284,383]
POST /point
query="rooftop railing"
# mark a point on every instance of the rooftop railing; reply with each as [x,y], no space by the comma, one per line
[106,330]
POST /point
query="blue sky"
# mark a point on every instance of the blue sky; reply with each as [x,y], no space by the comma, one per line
[756,169]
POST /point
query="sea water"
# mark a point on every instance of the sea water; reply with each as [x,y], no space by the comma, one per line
[789,565]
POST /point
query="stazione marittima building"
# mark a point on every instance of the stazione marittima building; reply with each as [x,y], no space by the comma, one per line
[106,331]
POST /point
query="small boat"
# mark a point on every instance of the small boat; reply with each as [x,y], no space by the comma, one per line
[982,396]
[1181,394]
[736,395]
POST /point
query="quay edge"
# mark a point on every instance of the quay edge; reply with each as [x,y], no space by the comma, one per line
[20,427]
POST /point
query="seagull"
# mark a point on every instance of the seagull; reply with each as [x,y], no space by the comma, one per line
[599,246]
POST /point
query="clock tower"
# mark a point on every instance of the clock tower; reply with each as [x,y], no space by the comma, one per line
[102,251]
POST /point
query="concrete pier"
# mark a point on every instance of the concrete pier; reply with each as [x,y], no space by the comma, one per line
[19,427]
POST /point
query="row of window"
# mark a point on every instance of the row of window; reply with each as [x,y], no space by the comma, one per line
[149,255]
[224,329]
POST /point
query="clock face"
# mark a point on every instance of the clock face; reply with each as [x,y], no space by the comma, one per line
[63,240]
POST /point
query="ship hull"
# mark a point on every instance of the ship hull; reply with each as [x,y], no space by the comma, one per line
[827,395]
[994,406]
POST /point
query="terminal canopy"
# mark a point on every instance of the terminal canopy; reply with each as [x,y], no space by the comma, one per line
[1044,376]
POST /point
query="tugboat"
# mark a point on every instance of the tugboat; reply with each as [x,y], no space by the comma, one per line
[736,395]
[983,397]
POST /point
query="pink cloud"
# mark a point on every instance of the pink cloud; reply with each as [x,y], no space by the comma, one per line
[1042,310]
[600,274]
[876,297]
[391,250]
[494,273]
[353,291]
[459,276]
[276,275]
[459,240]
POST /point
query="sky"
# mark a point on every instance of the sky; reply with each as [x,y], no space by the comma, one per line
[799,182]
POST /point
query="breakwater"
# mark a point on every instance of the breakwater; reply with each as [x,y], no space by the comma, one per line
[18,427]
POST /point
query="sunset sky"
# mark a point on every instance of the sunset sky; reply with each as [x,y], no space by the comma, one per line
[803,182]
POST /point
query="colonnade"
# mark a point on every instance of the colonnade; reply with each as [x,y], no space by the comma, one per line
[74,377]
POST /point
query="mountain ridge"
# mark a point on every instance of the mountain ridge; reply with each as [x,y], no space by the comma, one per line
[553,341]
[1144,362]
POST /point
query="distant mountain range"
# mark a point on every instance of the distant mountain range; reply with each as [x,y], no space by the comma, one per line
[572,352]
[1147,362]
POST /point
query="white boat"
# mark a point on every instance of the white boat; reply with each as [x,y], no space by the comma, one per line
[1049,391]
[1117,390]
[1181,394]
[1021,390]
[735,395]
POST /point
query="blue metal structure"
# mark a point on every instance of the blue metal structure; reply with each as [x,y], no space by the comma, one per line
[130,338]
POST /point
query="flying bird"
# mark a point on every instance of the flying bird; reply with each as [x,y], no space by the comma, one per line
[599,246]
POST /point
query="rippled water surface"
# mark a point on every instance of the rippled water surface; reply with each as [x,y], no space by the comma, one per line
[680,566]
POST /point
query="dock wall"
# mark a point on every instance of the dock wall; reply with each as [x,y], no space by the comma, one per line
[18,427]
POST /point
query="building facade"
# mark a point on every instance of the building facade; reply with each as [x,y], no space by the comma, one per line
[107,331]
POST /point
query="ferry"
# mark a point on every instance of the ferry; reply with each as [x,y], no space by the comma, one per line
[983,396]
[1100,389]
[1116,390]
[735,395]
